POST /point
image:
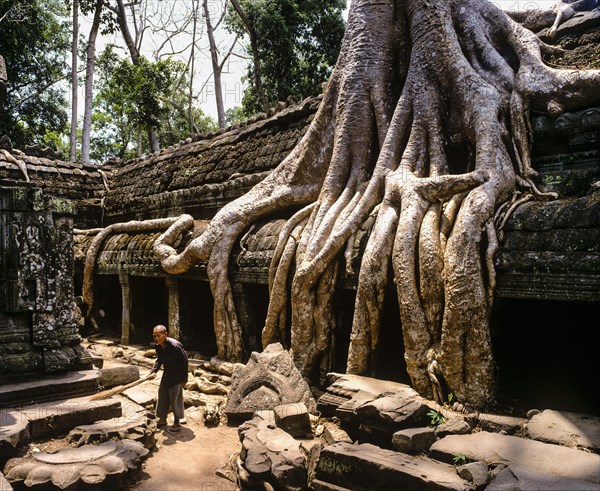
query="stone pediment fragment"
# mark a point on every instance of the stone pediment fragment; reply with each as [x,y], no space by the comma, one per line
[269,379]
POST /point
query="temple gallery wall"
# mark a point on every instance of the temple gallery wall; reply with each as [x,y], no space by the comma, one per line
[548,266]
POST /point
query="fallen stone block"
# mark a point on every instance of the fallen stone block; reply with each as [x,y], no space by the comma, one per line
[270,454]
[516,477]
[332,433]
[533,455]
[495,423]
[4,484]
[475,472]
[453,426]
[14,433]
[413,440]
[269,379]
[140,429]
[55,418]
[144,394]
[293,419]
[123,375]
[566,428]
[366,467]
[110,465]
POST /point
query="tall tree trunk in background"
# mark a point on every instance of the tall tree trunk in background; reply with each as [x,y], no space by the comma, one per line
[74,56]
[216,67]
[195,5]
[254,47]
[153,138]
[89,83]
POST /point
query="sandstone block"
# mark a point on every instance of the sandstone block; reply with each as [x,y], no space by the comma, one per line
[366,467]
[334,434]
[475,472]
[293,419]
[453,426]
[495,423]
[516,477]
[14,433]
[566,428]
[413,440]
[111,377]
[533,455]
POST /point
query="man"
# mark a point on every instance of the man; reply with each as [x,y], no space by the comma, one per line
[171,355]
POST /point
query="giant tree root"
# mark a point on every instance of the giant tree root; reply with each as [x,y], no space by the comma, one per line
[424,123]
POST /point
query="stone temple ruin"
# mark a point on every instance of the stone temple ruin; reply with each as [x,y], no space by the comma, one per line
[55,216]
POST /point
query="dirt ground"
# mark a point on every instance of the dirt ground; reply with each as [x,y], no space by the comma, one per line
[189,459]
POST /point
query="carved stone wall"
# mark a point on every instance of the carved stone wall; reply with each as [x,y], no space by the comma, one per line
[38,332]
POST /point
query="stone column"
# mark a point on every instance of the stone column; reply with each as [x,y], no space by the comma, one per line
[125,308]
[173,306]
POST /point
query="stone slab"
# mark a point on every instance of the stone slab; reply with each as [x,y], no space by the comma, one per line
[413,440]
[496,423]
[14,432]
[515,477]
[52,418]
[367,467]
[143,394]
[4,484]
[49,388]
[540,457]
[566,428]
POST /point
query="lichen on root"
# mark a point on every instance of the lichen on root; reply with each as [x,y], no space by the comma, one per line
[425,124]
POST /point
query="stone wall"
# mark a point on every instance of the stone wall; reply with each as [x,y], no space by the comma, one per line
[38,332]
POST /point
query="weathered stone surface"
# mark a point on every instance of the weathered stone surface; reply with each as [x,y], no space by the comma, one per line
[566,428]
[536,456]
[334,434]
[402,409]
[4,484]
[413,440]
[52,418]
[367,467]
[121,375]
[110,465]
[475,472]
[453,426]
[270,454]
[14,432]
[516,477]
[293,419]
[144,394]
[49,388]
[495,423]
[138,428]
[269,379]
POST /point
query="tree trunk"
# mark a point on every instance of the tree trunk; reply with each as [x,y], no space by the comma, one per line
[74,56]
[424,127]
[89,83]
[216,67]
[255,58]
[134,53]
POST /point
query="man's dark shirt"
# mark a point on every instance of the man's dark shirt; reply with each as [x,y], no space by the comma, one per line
[175,362]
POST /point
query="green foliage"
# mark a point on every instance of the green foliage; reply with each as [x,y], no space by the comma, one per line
[132,98]
[436,418]
[35,44]
[459,459]
[298,44]
[235,115]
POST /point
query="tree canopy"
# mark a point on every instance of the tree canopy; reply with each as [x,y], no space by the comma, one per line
[298,43]
[129,97]
[35,44]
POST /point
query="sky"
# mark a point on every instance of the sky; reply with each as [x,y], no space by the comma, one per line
[234,70]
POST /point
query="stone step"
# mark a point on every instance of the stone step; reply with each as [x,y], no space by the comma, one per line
[19,426]
[544,458]
[367,467]
[49,388]
[515,477]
